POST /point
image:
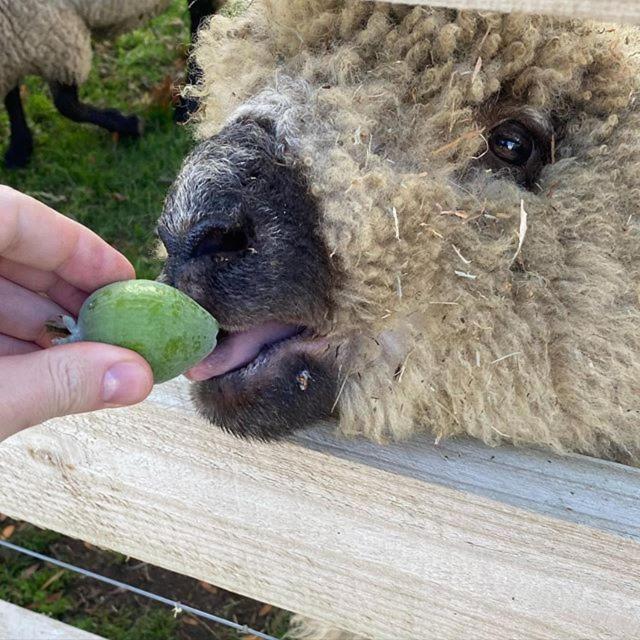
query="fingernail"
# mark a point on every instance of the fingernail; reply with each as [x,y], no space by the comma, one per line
[125,383]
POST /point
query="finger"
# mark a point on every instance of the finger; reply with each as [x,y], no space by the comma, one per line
[35,235]
[72,378]
[23,313]
[67,296]
[13,347]
[60,291]
[25,276]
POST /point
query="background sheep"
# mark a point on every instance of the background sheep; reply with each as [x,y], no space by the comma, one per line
[52,39]
[415,218]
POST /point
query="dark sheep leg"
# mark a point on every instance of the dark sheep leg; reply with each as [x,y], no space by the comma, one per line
[21,142]
[65,97]
[199,10]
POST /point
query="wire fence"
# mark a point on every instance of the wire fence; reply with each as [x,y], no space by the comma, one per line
[178,607]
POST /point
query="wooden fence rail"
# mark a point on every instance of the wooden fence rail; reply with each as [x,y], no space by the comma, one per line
[605,10]
[458,540]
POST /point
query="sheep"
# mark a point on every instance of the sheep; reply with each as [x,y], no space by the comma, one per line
[410,219]
[52,39]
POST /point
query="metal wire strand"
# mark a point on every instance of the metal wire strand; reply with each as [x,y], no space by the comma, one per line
[178,607]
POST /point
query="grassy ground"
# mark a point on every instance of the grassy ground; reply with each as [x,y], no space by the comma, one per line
[116,188]
[113,613]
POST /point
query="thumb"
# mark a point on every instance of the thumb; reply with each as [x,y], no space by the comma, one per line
[68,379]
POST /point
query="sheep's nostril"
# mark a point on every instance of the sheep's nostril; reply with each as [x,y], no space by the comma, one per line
[222,243]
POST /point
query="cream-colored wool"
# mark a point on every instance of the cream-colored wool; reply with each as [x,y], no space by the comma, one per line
[449,325]
[52,38]
[386,105]
[304,629]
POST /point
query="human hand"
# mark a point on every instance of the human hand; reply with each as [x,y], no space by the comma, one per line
[48,266]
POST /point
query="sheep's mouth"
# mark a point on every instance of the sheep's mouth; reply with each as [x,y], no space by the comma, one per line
[267,381]
[249,351]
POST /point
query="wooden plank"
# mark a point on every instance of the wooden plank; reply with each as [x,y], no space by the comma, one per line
[574,488]
[17,623]
[455,541]
[605,10]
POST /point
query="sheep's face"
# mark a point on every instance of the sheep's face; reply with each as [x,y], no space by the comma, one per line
[426,219]
[245,237]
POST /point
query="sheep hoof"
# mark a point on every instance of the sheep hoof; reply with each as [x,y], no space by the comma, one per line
[133,127]
[17,157]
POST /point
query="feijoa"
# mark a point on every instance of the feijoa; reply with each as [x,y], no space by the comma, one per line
[170,330]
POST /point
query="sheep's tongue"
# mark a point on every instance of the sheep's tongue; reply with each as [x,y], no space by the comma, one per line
[238,349]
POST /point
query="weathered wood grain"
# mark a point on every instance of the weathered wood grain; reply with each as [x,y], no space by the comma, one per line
[17,623]
[605,10]
[582,490]
[413,541]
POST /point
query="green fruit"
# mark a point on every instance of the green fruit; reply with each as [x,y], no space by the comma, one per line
[168,329]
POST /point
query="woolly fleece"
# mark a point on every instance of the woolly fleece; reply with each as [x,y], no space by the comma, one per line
[386,107]
[52,38]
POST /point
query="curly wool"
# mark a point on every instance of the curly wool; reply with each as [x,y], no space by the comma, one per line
[386,105]
[52,38]
[305,629]
[394,98]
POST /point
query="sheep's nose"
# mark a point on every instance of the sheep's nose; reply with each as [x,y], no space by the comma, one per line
[222,242]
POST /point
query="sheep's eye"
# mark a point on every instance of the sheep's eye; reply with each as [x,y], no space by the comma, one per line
[512,142]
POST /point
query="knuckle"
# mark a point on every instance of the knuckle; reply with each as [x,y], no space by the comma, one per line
[66,382]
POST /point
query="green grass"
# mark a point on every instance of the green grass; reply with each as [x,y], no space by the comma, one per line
[38,590]
[115,188]
[97,608]
[129,625]
[51,591]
